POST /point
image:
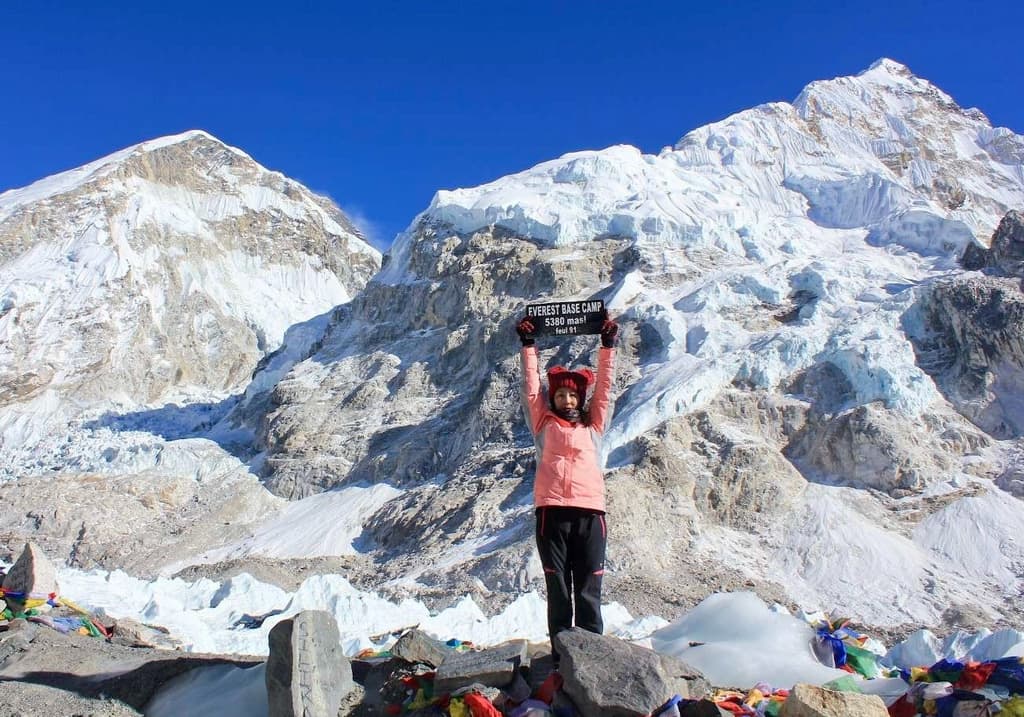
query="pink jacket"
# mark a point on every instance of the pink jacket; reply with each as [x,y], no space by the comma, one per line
[568,455]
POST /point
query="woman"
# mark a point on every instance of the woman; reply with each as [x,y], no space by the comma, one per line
[568,490]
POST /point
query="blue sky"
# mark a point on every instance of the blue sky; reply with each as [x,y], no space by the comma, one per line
[378,105]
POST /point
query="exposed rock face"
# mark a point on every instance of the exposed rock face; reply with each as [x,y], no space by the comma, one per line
[608,677]
[1008,245]
[445,383]
[975,257]
[972,343]
[870,446]
[1005,255]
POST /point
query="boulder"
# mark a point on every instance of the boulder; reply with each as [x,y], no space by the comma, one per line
[417,646]
[307,674]
[811,701]
[494,667]
[608,677]
[131,633]
[32,574]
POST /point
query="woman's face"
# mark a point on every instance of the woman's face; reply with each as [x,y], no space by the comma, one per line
[566,398]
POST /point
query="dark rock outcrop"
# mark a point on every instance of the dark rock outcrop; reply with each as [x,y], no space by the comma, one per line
[972,344]
[1005,255]
[1008,245]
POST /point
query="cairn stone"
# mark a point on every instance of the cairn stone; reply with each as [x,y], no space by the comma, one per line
[307,675]
[416,646]
[494,667]
[32,574]
[608,677]
[811,701]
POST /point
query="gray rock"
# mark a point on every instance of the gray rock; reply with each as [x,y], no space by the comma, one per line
[19,628]
[519,689]
[307,673]
[975,257]
[17,637]
[608,677]
[32,574]
[131,633]
[494,667]
[417,646]
[1007,251]
[811,701]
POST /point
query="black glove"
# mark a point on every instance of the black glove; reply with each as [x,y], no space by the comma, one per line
[609,332]
[525,330]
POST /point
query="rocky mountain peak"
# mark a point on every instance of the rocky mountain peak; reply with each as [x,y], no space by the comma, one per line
[167,270]
[888,66]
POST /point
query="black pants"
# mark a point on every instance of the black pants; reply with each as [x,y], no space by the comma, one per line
[571,543]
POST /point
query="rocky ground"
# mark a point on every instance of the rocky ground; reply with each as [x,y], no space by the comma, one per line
[45,672]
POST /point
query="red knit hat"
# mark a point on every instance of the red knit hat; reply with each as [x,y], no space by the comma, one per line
[559,376]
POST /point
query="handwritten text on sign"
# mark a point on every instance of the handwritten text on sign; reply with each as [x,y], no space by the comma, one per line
[571,317]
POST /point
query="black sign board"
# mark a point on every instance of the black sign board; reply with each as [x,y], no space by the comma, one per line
[567,318]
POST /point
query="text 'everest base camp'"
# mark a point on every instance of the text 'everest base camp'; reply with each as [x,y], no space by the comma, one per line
[250,466]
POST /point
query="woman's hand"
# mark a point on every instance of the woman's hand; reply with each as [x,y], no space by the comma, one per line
[609,332]
[525,329]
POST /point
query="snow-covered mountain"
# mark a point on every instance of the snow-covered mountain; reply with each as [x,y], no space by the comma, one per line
[779,423]
[816,400]
[160,275]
